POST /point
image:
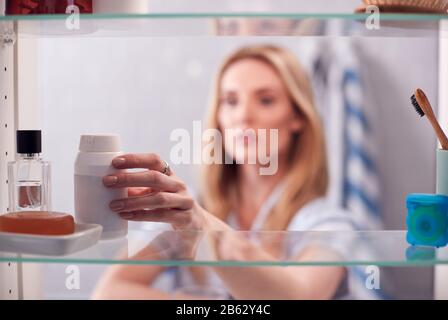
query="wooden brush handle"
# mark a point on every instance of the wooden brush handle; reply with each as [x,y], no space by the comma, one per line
[439,132]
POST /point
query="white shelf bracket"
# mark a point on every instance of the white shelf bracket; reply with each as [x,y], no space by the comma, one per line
[9,271]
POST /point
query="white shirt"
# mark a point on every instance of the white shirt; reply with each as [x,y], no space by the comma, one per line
[317,215]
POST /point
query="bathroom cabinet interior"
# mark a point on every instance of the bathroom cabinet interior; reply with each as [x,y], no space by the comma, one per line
[19,96]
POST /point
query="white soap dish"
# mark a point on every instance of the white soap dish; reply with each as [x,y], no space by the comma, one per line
[85,236]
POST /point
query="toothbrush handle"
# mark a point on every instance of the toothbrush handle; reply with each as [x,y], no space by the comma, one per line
[439,132]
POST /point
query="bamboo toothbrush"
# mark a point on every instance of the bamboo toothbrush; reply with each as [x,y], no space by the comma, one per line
[423,107]
[407,6]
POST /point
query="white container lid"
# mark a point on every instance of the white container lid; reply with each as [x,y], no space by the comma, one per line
[100,143]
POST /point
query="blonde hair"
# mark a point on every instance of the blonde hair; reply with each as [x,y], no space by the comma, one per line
[307,178]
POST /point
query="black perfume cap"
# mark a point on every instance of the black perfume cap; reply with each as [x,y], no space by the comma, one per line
[29,141]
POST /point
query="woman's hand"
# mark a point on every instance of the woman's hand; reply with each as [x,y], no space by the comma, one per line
[153,195]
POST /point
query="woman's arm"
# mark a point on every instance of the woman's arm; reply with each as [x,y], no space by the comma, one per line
[277,282]
[167,200]
[132,280]
[288,283]
[257,283]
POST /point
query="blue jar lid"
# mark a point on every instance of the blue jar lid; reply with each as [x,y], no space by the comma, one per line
[427,198]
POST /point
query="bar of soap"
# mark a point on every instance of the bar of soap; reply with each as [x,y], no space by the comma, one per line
[38,223]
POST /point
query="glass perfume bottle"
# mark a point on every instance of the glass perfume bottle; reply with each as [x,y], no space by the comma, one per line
[29,176]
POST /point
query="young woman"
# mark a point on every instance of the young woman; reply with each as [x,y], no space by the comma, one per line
[257,87]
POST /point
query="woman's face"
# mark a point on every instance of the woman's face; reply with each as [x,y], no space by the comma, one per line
[253,96]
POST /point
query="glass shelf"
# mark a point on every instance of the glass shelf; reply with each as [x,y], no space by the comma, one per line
[191,24]
[212,15]
[188,248]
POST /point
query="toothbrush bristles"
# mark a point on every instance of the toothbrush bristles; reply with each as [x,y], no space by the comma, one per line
[417,107]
